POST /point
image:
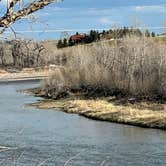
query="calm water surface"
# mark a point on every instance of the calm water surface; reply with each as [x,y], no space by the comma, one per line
[53,138]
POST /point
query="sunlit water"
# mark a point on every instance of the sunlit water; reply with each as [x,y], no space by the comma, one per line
[53,138]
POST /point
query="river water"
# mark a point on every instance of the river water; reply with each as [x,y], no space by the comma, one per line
[32,137]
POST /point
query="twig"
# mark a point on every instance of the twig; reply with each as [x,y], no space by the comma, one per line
[2,161]
[15,161]
[13,31]
[103,163]
[70,159]
[43,162]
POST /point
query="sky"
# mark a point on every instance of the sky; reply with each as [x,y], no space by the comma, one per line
[83,15]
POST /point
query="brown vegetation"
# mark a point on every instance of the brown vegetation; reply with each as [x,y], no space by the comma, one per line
[21,53]
[134,66]
[139,114]
[119,81]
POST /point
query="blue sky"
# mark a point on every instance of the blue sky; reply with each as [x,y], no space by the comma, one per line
[83,15]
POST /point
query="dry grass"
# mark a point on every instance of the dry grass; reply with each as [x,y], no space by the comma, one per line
[101,109]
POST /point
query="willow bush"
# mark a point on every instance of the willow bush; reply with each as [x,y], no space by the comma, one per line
[136,65]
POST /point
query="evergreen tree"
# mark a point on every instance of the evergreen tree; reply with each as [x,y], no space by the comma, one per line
[92,35]
[153,34]
[147,33]
[60,44]
[70,42]
[65,43]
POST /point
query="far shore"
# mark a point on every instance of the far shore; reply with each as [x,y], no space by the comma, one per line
[26,74]
[22,79]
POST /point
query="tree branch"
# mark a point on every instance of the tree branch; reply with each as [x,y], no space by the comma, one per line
[11,6]
[11,17]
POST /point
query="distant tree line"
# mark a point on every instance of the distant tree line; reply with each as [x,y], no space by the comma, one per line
[94,36]
[28,53]
[79,38]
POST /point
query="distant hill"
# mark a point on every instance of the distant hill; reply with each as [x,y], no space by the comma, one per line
[94,36]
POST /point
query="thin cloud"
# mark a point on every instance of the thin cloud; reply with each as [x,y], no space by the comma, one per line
[106,21]
[155,8]
[51,11]
[96,11]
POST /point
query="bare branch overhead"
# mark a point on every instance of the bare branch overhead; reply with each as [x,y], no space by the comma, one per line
[12,16]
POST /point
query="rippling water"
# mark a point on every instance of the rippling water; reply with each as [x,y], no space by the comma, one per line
[31,137]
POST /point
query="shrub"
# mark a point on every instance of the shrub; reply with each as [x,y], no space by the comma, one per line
[136,65]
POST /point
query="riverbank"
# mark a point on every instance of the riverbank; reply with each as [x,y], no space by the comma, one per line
[142,114]
[26,74]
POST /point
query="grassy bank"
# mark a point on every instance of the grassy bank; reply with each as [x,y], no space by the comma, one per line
[130,70]
[143,114]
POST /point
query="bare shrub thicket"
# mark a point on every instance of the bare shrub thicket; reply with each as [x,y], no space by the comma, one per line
[29,53]
[135,65]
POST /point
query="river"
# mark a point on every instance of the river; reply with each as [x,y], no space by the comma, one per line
[31,137]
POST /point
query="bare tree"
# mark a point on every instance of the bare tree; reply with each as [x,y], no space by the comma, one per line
[1,55]
[13,13]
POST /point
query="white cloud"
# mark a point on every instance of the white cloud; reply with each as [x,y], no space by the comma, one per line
[107,21]
[95,11]
[51,11]
[155,8]
[59,9]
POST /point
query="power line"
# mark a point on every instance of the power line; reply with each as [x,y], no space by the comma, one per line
[80,30]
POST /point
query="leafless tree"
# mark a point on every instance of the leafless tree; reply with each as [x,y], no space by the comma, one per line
[2,55]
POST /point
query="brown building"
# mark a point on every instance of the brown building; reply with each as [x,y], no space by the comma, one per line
[77,38]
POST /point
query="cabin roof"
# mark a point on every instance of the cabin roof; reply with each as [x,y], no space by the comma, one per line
[78,37]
